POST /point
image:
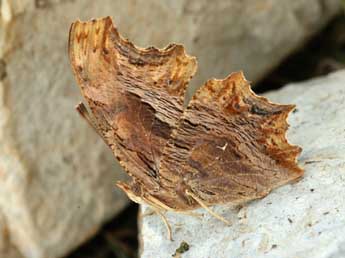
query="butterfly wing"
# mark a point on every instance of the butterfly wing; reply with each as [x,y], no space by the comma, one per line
[136,95]
[230,145]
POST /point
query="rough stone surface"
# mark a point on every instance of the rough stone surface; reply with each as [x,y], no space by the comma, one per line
[56,176]
[304,219]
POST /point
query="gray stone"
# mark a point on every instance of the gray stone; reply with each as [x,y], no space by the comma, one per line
[7,250]
[304,219]
[56,176]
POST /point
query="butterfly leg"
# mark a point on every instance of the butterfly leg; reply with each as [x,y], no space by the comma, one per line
[190,213]
[148,213]
[202,204]
[165,221]
[156,206]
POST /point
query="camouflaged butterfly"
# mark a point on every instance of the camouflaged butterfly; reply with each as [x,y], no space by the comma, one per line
[227,146]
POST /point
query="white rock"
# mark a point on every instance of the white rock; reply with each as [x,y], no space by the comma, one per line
[304,219]
[56,176]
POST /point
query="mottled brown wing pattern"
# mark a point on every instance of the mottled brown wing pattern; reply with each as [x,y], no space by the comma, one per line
[230,146]
[136,95]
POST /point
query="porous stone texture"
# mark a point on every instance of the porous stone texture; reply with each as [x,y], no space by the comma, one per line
[304,219]
[56,176]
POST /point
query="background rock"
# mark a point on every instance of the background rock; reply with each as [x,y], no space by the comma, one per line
[6,249]
[56,176]
[304,219]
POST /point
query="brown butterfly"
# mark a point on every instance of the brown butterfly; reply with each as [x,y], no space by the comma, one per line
[227,146]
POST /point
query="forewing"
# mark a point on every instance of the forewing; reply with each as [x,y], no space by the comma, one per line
[230,145]
[136,95]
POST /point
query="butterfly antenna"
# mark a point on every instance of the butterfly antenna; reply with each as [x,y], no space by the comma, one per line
[202,204]
[84,113]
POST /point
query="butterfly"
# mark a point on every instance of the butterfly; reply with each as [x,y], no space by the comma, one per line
[227,146]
